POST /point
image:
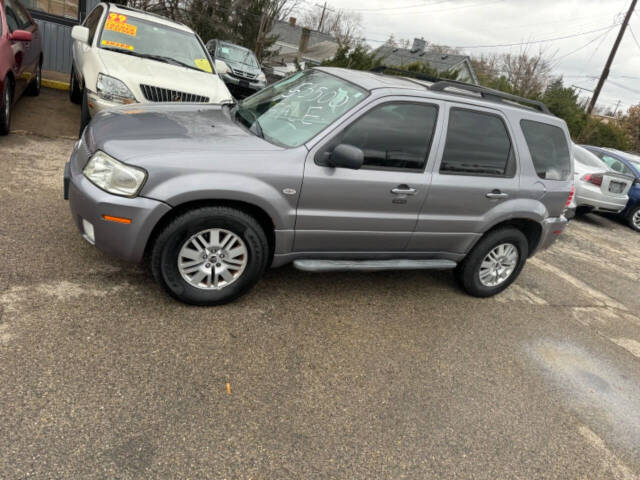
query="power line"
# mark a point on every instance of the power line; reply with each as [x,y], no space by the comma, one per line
[539,41]
[383,9]
[557,60]
[425,12]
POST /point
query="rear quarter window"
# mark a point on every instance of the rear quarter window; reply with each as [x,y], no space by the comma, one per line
[549,149]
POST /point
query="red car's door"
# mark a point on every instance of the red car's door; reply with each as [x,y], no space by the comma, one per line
[24,63]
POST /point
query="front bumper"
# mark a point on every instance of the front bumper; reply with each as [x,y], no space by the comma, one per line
[552,227]
[88,203]
[253,85]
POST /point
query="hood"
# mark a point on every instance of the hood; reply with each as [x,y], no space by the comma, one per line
[134,71]
[149,130]
[242,67]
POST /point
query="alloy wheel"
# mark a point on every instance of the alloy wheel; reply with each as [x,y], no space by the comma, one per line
[498,265]
[212,259]
[636,219]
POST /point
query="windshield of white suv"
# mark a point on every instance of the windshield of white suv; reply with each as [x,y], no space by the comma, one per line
[134,36]
[234,53]
[292,111]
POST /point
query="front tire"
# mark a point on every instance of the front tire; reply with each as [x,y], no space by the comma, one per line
[75,92]
[210,255]
[5,107]
[633,218]
[494,263]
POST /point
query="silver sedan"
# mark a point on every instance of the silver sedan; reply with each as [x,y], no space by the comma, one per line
[597,187]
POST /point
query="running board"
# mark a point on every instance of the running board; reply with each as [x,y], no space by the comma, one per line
[371,265]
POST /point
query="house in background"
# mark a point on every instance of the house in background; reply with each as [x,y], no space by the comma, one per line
[442,62]
[296,45]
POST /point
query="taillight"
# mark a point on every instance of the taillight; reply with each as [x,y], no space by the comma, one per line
[571,194]
[593,178]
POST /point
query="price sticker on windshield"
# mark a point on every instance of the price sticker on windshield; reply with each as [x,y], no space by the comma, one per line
[118,23]
[203,64]
[124,46]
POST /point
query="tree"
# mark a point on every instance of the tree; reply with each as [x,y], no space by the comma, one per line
[596,132]
[521,74]
[631,124]
[237,21]
[358,58]
[344,26]
[564,103]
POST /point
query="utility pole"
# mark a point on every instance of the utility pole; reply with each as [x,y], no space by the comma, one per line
[324,9]
[263,20]
[617,106]
[324,12]
[614,50]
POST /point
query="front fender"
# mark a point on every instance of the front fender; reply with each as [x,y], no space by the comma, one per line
[200,186]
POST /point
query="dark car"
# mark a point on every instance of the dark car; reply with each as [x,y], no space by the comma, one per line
[627,164]
[238,67]
[20,58]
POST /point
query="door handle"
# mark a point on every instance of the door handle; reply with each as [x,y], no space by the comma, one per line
[403,190]
[495,194]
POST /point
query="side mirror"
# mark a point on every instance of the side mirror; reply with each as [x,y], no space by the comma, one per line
[21,36]
[346,156]
[80,34]
[221,67]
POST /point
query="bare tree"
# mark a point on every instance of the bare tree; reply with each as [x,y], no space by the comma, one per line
[523,73]
[345,26]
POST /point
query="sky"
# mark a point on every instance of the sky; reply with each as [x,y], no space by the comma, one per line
[474,25]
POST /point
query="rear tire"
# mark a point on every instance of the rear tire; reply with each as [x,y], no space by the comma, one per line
[36,84]
[5,107]
[75,92]
[182,275]
[468,272]
[633,218]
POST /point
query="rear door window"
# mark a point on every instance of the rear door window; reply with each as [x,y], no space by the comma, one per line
[477,144]
[616,165]
[549,149]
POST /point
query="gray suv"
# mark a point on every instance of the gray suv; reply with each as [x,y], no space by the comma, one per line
[330,169]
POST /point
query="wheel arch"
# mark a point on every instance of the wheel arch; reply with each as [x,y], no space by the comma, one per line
[531,229]
[259,214]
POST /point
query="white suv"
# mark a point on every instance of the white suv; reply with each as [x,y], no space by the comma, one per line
[122,55]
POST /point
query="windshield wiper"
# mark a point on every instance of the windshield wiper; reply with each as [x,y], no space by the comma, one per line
[159,58]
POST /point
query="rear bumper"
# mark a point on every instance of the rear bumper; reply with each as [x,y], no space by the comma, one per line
[551,229]
[593,197]
[88,203]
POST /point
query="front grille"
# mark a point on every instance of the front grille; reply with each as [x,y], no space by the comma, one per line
[157,94]
[243,75]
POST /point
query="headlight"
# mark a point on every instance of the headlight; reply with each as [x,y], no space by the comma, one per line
[261,77]
[113,89]
[113,176]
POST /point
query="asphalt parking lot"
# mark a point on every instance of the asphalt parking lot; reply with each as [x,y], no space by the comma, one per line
[310,376]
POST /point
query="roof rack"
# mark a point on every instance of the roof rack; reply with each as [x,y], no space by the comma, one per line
[440,85]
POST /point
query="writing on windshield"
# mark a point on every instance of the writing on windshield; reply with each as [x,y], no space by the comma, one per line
[294,110]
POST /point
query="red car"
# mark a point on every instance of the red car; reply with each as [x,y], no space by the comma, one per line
[20,58]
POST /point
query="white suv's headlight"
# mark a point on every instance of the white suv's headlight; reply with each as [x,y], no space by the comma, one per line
[261,77]
[113,176]
[113,89]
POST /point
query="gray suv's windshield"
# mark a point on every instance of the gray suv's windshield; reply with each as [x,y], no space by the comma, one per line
[234,53]
[294,110]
